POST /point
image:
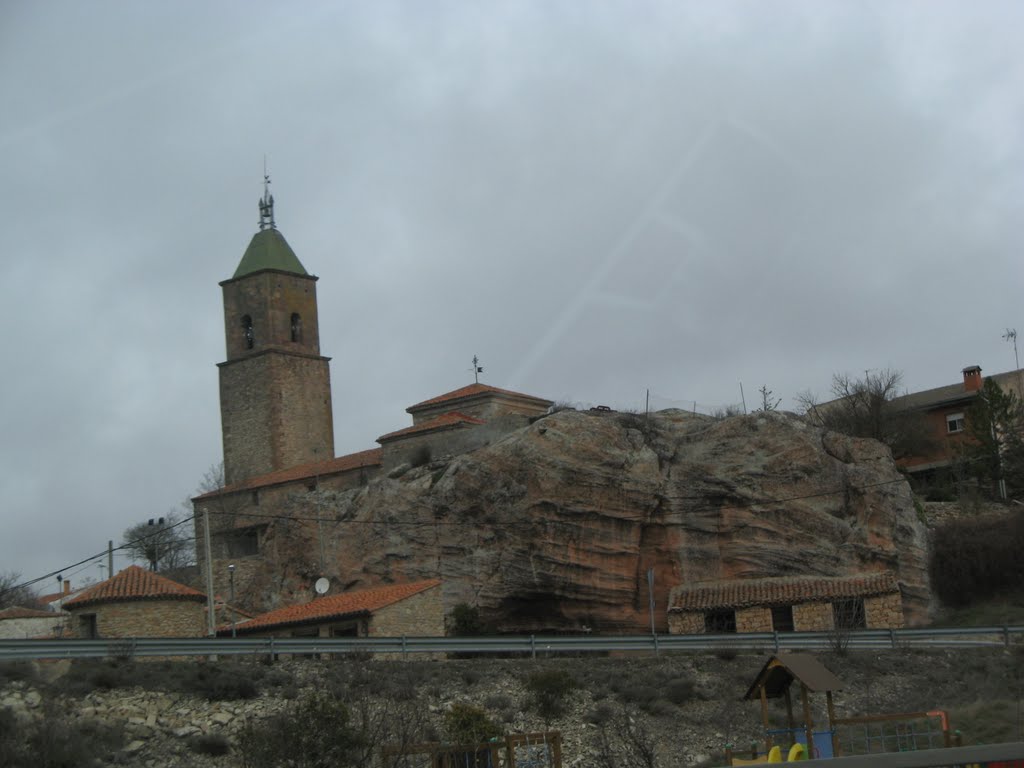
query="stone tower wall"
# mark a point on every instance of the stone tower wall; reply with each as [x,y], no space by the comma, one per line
[275,413]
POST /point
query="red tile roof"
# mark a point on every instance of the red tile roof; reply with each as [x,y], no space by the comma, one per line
[368,458]
[450,420]
[347,604]
[744,593]
[135,583]
[17,612]
[471,391]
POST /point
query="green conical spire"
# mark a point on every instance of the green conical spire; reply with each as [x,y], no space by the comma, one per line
[269,250]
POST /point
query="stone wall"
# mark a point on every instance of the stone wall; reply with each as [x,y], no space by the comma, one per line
[21,629]
[685,623]
[757,619]
[419,615]
[813,617]
[275,413]
[142,618]
[884,611]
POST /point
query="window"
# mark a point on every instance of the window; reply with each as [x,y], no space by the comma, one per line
[720,620]
[243,542]
[954,423]
[296,327]
[250,337]
[782,618]
[849,613]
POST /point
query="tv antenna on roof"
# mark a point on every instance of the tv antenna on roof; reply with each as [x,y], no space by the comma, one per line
[477,369]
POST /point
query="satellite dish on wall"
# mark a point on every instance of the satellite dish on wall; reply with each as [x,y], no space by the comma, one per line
[321,586]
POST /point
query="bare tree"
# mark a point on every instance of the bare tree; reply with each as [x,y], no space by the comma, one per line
[868,407]
[164,542]
[13,592]
[626,742]
[768,400]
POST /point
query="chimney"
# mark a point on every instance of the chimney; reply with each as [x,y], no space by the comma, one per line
[67,587]
[972,378]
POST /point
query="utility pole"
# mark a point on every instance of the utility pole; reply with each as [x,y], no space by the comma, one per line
[110,557]
[209,573]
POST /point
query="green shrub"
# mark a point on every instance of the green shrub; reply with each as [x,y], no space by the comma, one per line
[315,732]
[14,671]
[548,689]
[976,559]
[54,742]
[466,724]
[680,690]
[464,621]
[214,744]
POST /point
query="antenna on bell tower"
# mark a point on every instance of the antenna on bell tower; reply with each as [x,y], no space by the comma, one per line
[266,202]
[477,369]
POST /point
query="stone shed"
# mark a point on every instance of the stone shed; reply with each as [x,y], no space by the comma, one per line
[138,603]
[412,609]
[786,604]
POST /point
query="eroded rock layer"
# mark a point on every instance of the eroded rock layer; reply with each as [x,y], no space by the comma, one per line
[555,526]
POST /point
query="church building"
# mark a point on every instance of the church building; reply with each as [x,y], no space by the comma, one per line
[278,431]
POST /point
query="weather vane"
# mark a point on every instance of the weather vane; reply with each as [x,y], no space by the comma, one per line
[477,369]
[266,202]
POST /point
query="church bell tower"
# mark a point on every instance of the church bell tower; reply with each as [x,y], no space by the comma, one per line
[275,386]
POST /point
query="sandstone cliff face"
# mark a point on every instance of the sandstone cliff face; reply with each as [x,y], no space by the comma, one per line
[555,526]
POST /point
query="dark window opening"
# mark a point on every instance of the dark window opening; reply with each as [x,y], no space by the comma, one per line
[250,337]
[296,327]
[255,498]
[242,543]
[720,620]
[849,613]
[782,618]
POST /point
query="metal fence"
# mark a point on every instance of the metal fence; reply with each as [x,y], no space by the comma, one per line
[521,645]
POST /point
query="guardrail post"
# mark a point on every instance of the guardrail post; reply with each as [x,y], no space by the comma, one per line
[273,656]
[404,650]
[892,638]
[775,637]
[533,647]
[655,636]
[1006,634]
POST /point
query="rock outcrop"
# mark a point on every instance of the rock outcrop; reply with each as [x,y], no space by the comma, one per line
[555,526]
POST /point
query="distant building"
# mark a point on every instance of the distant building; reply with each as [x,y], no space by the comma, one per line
[18,623]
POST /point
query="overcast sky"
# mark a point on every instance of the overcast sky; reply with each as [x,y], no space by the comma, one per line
[597,198]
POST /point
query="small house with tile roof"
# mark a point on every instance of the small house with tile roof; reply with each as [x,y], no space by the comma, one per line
[786,604]
[394,610]
[138,603]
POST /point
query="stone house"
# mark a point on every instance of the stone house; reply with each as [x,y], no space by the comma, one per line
[137,603]
[786,604]
[412,609]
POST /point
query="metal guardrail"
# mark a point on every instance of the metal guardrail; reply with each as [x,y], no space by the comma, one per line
[526,645]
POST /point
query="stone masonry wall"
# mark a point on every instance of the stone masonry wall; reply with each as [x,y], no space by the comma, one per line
[143,618]
[884,611]
[812,617]
[419,615]
[20,629]
[688,623]
[275,413]
[757,619]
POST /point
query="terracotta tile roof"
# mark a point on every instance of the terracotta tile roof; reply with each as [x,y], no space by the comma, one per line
[347,604]
[471,391]
[368,458]
[450,420]
[135,583]
[744,593]
[17,612]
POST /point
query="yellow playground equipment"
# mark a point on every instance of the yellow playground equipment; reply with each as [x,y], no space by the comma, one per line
[897,732]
